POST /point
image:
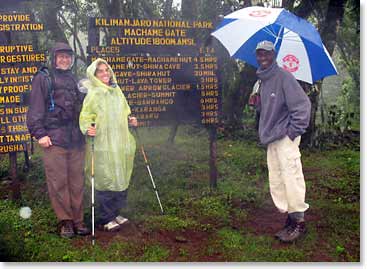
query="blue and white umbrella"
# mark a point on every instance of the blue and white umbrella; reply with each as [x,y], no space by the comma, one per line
[297,42]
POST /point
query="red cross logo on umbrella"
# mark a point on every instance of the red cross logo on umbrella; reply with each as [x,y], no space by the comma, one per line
[259,13]
[290,63]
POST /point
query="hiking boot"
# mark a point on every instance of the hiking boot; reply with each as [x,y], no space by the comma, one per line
[284,230]
[121,220]
[295,232]
[112,226]
[66,229]
[81,229]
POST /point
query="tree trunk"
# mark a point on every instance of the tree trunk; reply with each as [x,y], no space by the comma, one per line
[189,9]
[236,91]
[172,133]
[313,94]
[189,12]
[110,8]
[237,95]
[328,31]
[76,40]
[114,8]
[167,10]
[330,27]
[51,22]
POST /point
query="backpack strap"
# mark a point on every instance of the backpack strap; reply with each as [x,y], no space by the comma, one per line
[256,88]
[50,86]
[254,99]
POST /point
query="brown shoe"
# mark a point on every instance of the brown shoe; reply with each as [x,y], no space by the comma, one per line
[81,229]
[295,232]
[66,229]
[284,230]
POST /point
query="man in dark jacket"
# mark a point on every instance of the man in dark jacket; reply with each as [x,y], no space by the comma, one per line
[53,119]
[284,116]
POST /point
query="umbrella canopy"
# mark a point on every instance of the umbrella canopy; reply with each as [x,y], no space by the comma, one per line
[298,44]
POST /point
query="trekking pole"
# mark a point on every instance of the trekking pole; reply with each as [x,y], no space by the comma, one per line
[148,168]
[92,181]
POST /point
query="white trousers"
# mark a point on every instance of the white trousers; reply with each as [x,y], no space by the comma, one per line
[287,184]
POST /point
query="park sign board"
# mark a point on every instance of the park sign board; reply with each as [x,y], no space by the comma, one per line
[18,64]
[149,35]
[17,22]
[162,66]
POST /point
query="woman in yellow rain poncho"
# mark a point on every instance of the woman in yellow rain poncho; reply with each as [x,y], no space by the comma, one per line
[114,146]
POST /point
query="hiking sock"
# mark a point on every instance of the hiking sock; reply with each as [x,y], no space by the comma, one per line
[297,216]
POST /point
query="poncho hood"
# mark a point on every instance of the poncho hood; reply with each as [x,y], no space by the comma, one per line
[95,82]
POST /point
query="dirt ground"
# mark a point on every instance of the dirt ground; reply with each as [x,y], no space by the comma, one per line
[264,221]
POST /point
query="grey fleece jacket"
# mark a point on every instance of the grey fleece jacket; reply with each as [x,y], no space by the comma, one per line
[285,108]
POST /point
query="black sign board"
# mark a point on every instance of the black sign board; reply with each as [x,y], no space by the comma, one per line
[163,68]
[17,22]
[18,64]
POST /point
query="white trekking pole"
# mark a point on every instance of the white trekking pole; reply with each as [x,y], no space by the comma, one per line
[92,183]
[148,168]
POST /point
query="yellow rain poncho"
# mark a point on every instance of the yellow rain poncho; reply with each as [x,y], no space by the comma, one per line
[114,146]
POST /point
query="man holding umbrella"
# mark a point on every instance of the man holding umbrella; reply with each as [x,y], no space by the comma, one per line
[284,116]
[285,108]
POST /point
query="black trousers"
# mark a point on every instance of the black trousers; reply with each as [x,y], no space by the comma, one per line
[109,204]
